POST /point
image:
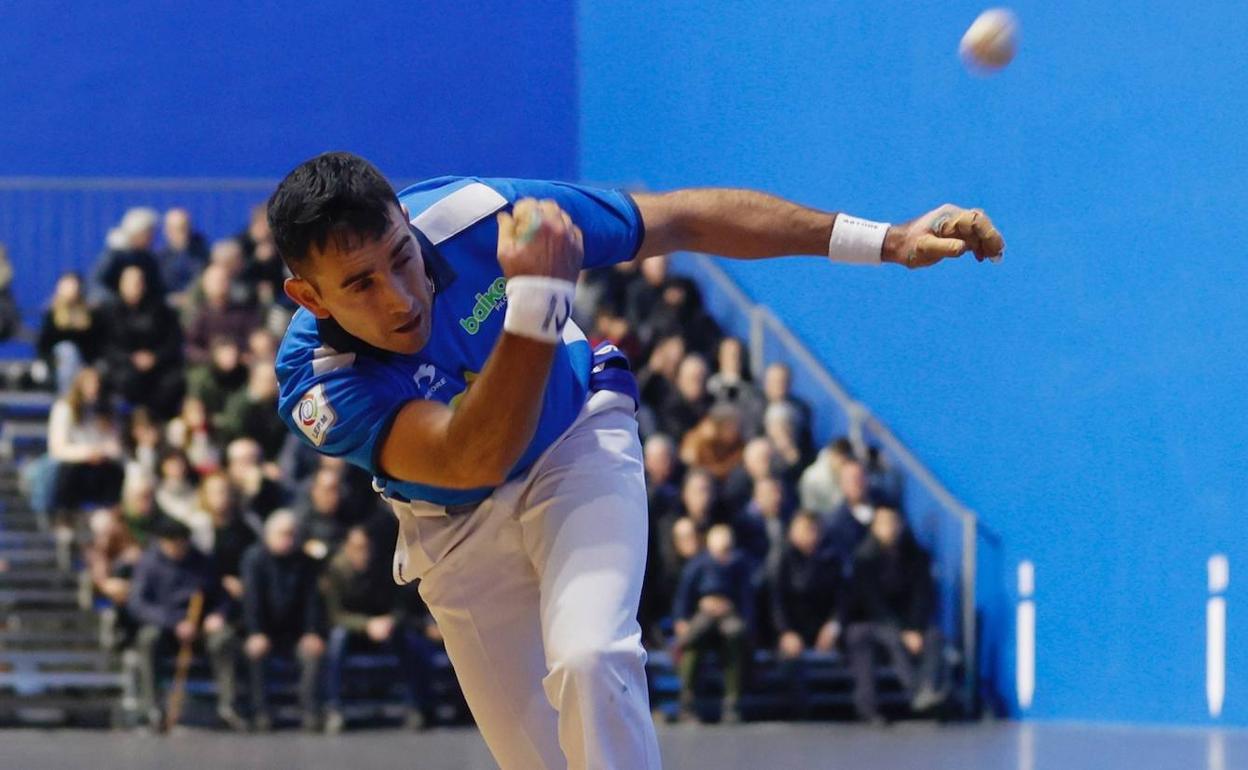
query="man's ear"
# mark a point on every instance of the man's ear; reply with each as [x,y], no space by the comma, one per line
[305,295]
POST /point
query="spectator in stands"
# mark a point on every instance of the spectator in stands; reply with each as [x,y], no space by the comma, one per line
[130,245]
[264,272]
[166,578]
[10,314]
[688,402]
[655,381]
[731,384]
[219,316]
[684,541]
[192,432]
[231,531]
[283,615]
[256,491]
[143,346]
[228,255]
[780,426]
[69,337]
[111,546]
[759,528]
[887,482]
[261,347]
[806,584]
[142,445]
[680,312]
[715,443]
[184,254]
[713,608]
[757,463]
[216,381]
[889,605]
[361,599]
[847,525]
[611,326]
[642,295]
[323,517]
[820,486]
[663,506]
[84,441]
[253,412]
[778,389]
[139,509]
[177,494]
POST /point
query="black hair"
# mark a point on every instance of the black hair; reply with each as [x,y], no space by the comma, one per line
[336,195]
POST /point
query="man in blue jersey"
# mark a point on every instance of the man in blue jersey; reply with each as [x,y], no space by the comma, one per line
[433,348]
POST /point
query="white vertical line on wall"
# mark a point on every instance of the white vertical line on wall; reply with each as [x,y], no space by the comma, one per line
[1025,632]
[1215,634]
[1216,753]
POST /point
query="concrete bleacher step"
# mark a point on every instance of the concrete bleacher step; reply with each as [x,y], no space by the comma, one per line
[37,578]
[34,558]
[58,620]
[19,522]
[39,598]
[25,404]
[22,684]
[9,539]
[58,660]
[48,640]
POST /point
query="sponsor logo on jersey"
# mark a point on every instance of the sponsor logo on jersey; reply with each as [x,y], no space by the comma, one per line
[426,386]
[494,298]
[314,415]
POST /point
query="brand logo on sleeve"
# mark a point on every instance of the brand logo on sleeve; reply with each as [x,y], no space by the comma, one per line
[426,384]
[494,298]
[314,415]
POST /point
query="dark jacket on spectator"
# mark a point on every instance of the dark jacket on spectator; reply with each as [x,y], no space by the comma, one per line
[86,340]
[244,417]
[230,544]
[215,387]
[677,416]
[233,321]
[282,597]
[842,533]
[890,585]
[352,598]
[805,592]
[150,326]
[110,265]
[179,269]
[162,588]
[704,576]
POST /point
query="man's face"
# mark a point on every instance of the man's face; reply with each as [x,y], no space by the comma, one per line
[376,290]
[853,482]
[697,495]
[280,538]
[356,549]
[886,526]
[132,286]
[776,382]
[326,492]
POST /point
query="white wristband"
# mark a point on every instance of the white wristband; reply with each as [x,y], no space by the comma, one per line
[538,306]
[856,241]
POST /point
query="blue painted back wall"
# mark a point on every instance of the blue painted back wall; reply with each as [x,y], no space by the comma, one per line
[1086,396]
[150,88]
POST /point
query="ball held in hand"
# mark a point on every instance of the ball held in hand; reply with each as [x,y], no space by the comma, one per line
[991,41]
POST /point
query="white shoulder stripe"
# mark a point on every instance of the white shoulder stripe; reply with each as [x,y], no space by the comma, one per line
[458,211]
[326,359]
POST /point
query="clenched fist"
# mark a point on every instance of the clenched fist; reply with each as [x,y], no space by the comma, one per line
[538,238]
[949,231]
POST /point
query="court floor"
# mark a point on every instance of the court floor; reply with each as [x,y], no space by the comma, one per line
[995,746]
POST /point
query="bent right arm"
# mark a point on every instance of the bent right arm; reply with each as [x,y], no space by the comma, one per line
[477,443]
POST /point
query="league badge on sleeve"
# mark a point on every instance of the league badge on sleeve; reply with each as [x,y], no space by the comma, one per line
[314,415]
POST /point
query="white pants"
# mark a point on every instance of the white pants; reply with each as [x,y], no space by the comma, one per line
[536,594]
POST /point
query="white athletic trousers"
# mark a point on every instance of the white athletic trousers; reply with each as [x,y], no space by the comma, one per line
[536,594]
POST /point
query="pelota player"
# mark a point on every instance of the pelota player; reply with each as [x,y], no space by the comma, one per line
[433,348]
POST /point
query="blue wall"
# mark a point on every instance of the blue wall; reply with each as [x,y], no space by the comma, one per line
[149,88]
[1087,396]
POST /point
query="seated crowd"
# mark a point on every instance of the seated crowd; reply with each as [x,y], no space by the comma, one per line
[200,520]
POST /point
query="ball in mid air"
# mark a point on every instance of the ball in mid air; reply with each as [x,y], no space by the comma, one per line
[991,41]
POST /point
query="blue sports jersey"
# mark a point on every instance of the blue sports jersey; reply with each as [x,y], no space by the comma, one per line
[341,396]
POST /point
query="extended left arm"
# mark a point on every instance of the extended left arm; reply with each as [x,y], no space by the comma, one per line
[746,224]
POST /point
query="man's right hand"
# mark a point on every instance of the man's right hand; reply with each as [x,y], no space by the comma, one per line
[538,238]
[379,628]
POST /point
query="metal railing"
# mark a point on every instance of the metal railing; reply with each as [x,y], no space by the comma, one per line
[770,339]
